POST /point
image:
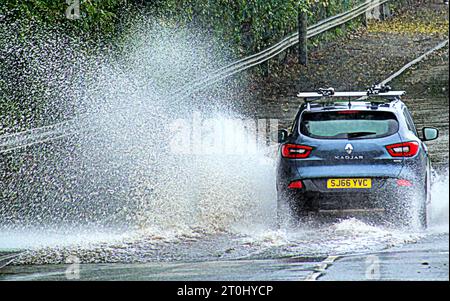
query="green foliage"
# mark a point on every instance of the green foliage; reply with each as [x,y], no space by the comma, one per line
[96,16]
[246,25]
[251,25]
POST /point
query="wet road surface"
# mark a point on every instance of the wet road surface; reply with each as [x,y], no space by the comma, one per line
[426,259]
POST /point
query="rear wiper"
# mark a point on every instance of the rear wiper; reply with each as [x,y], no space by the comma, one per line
[359,134]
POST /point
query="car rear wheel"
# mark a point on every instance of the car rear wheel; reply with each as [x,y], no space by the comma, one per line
[423,217]
[425,200]
[409,209]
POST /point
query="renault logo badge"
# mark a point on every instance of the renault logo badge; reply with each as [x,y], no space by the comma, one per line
[349,149]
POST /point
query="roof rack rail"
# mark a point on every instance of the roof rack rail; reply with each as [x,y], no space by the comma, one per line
[375,90]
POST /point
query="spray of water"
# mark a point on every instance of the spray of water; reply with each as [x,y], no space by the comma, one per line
[120,170]
[439,203]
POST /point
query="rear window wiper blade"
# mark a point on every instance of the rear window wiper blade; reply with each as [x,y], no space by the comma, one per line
[359,134]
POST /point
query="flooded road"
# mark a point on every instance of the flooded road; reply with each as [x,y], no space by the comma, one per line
[423,257]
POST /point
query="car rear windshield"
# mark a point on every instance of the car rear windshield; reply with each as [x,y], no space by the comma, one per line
[348,124]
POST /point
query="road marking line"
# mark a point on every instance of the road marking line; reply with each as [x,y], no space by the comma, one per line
[321,268]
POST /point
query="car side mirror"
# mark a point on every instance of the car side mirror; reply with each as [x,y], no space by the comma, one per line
[279,136]
[429,133]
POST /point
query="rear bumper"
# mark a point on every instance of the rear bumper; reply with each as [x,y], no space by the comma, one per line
[379,185]
[338,201]
[382,194]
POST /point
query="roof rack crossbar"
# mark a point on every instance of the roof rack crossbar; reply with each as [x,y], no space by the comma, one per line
[316,95]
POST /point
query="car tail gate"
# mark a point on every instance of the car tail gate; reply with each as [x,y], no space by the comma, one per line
[352,151]
[351,142]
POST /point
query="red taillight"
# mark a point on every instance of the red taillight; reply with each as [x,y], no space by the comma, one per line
[404,183]
[296,185]
[295,151]
[405,149]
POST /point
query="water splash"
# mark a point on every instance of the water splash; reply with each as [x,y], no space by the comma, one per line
[439,203]
[119,172]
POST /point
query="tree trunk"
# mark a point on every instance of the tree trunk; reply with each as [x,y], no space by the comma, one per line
[302,38]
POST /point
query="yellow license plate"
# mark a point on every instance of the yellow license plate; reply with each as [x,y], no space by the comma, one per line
[349,183]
